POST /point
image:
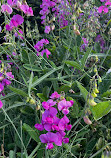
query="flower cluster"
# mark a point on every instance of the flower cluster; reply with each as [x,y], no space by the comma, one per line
[16,4]
[5,78]
[104,8]
[55,126]
[59,9]
[40,45]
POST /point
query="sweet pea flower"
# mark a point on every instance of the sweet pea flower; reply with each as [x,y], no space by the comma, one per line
[47,29]
[48,104]
[15,22]
[40,127]
[55,95]
[45,51]
[1,87]
[64,105]
[27,10]
[63,124]
[103,8]
[12,3]
[50,138]
[6,8]
[9,75]
[5,82]
[1,104]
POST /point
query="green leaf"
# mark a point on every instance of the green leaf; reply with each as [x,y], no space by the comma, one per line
[33,134]
[82,90]
[24,56]
[32,67]
[30,84]
[74,64]
[106,94]
[45,76]
[85,57]
[101,109]
[18,91]
[42,97]
[64,88]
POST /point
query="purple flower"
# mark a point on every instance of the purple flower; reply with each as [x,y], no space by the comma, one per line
[27,10]
[1,104]
[6,82]
[47,29]
[40,127]
[9,75]
[12,3]
[55,95]
[64,105]
[65,140]
[1,87]
[6,8]
[63,124]
[15,22]
[103,8]
[48,104]
[51,138]
[45,51]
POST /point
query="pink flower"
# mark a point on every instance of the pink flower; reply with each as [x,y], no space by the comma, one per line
[15,22]
[50,138]
[40,127]
[1,104]
[48,104]
[12,3]
[1,87]
[9,75]
[47,29]
[64,105]
[65,140]
[45,51]
[63,124]
[55,95]
[103,8]
[6,8]
[27,10]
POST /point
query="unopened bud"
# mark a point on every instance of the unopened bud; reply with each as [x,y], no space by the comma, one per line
[96,90]
[87,120]
[99,80]
[91,102]
[77,32]
[38,107]
[94,94]
[32,101]
[27,99]
[95,69]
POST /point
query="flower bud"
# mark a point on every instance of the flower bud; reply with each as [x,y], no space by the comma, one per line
[87,120]
[94,94]
[91,102]
[32,101]
[96,90]
[77,32]
[99,80]
[95,69]
[38,107]
[27,99]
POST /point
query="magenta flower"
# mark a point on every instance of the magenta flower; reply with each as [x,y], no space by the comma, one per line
[103,8]
[6,8]
[55,95]
[6,82]
[45,51]
[47,29]
[64,106]
[51,138]
[48,104]
[63,124]
[1,104]
[40,127]
[65,140]
[9,75]
[27,10]
[1,87]
[15,22]
[12,3]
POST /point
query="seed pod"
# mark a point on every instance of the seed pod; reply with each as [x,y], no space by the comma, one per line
[96,90]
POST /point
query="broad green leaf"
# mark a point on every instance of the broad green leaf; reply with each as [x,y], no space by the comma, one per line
[24,56]
[32,67]
[109,22]
[82,90]
[64,88]
[45,76]
[18,91]
[107,93]
[11,154]
[74,64]
[33,134]
[42,97]
[101,109]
